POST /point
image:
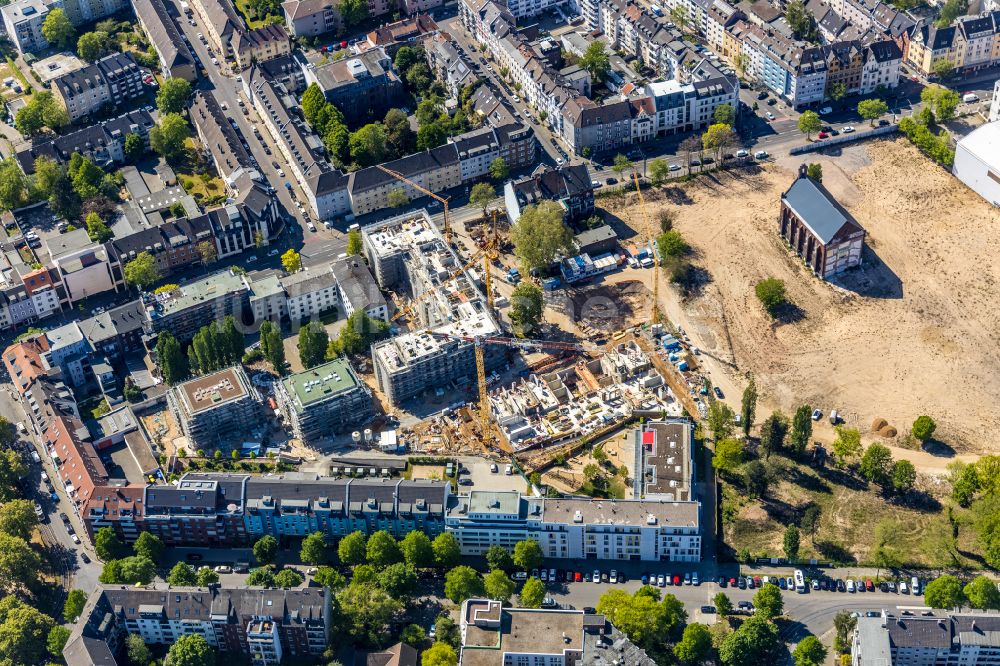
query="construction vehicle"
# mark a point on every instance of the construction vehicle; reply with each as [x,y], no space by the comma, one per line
[480,342]
[443,200]
[487,253]
[657,316]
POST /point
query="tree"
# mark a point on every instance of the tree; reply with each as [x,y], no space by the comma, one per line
[107,544]
[481,195]
[755,642]
[329,577]
[695,645]
[791,543]
[532,593]
[801,429]
[923,428]
[382,549]
[723,604]
[767,600]
[17,518]
[291,261]
[288,578]
[312,104]
[352,549]
[313,549]
[943,101]
[540,234]
[672,244]
[809,123]
[42,111]
[206,250]
[964,483]
[951,10]
[659,171]
[173,95]
[843,624]
[942,68]
[810,520]
[136,650]
[432,135]
[800,20]
[757,478]
[206,577]
[717,138]
[142,271]
[872,109]
[167,138]
[847,443]
[809,652]
[498,169]
[621,164]
[439,654]
[642,618]
[526,308]
[944,592]
[596,60]
[170,360]
[463,583]
[680,16]
[190,650]
[368,145]
[815,171]
[148,545]
[720,418]
[182,574]
[13,185]
[725,114]
[12,470]
[772,433]
[261,577]
[354,244]
[24,633]
[904,475]
[399,580]
[876,465]
[272,347]
[527,554]
[498,585]
[353,11]
[58,29]
[397,198]
[413,635]
[313,341]
[75,601]
[447,552]
[498,557]
[728,455]
[748,405]
[128,571]
[447,631]
[399,136]
[91,46]
[417,550]
[771,294]
[265,549]
[368,612]
[981,593]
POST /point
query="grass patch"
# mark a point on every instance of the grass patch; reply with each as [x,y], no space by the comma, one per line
[195,176]
[602,487]
[253,21]
[20,76]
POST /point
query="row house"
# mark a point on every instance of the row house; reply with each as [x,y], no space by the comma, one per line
[311,18]
[970,43]
[437,169]
[260,45]
[173,53]
[450,66]
[114,79]
[721,17]
[221,22]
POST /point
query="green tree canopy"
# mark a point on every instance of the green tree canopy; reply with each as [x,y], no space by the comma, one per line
[872,109]
[417,550]
[981,593]
[173,366]
[526,308]
[768,602]
[943,101]
[148,545]
[791,543]
[540,234]
[261,577]
[498,169]
[463,583]
[640,617]
[24,633]
[368,612]
[923,428]
[182,574]
[368,145]
[352,549]
[801,429]
[313,549]
[771,294]
[167,138]
[92,46]
[173,95]
[695,645]
[498,557]
[354,243]
[756,642]
[136,650]
[75,601]
[527,554]
[190,650]
[809,652]
[748,406]
[944,592]
[481,195]
[383,550]
[728,455]
[596,60]
[58,29]
[876,464]
[17,518]
[498,585]
[447,552]
[142,271]
[723,604]
[904,475]
[265,549]
[399,580]
[809,123]
[108,545]
[532,593]
[847,443]
[313,341]
[288,578]
[129,571]
[206,577]
[13,185]
[439,654]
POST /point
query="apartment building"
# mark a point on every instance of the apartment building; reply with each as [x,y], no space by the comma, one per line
[173,245]
[103,143]
[408,255]
[223,145]
[23,21]
[27,294]
[569,185]
[324,401]
[260,45]
[265,625]
[940,639]
[216,407]
[112,80]
[357,289]
[82,267]
[406,32]
[367,76]
[450,66]
[969,44]
[221,22]
[310,293]
[194,304]
[310,18]
[176,59]
[437,169]
[325,187]
[117,331]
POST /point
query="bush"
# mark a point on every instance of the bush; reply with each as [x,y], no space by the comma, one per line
[934,146]
[923,428]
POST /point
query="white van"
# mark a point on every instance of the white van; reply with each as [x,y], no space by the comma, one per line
[834,417]
[508,470]
[915,585]
[34,456]
[970,98]
[800,581]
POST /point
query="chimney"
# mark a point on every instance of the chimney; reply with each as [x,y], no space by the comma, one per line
[803,168]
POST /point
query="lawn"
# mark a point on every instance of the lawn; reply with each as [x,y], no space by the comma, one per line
[243,7]
[197,179]
[853,516]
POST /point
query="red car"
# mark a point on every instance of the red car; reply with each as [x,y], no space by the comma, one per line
[677,579]
[822,135]
[732,582]
[869,585]
[577,577]
[757,582]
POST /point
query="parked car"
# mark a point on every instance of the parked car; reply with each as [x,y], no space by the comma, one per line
[850,586]
[85,558]
[718,393]
[847,130]
[520,575]
[661,581]
[194,557]
[817,414]
[544,576]
[675,167]
[840,585]
[75,538]
[223,569]
[597,575]
[743,583]
[869,585]
[677,579]
[782,584]
[695,580]
[613,578]
[687,578]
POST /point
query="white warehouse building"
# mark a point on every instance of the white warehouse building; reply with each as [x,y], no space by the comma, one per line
[977,162]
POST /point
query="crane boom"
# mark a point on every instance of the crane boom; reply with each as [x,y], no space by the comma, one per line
[444,201]
[657,316]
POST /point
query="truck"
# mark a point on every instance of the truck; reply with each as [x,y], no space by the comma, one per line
[186,8]
[656,10]
[513,275]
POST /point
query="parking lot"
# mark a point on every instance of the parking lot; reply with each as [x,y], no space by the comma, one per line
[484,479]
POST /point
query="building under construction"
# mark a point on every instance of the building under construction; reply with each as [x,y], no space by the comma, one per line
[591,395]
[409,256]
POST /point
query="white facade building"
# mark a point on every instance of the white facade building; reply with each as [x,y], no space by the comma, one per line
[977,161]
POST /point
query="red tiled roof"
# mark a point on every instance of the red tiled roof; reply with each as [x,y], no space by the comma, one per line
[24,361]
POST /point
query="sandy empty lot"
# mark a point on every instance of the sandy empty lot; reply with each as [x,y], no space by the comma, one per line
[915,331]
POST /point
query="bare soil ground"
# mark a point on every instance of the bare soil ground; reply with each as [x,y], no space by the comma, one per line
[914,331]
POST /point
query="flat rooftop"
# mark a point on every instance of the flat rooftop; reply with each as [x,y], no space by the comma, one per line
[198,292]
[213,390]
[651,513]
[522,631]
[320,383]
[665,447]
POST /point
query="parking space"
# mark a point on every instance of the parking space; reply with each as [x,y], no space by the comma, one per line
[485,479]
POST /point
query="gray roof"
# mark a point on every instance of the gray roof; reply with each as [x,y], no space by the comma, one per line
[817,208]
[357,284]
[220,137]
[163,33]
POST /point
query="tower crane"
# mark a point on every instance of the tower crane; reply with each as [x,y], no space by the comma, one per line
[657,316]
[524,344]
[444,201]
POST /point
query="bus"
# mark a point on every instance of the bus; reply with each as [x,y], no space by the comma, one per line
[800,582]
